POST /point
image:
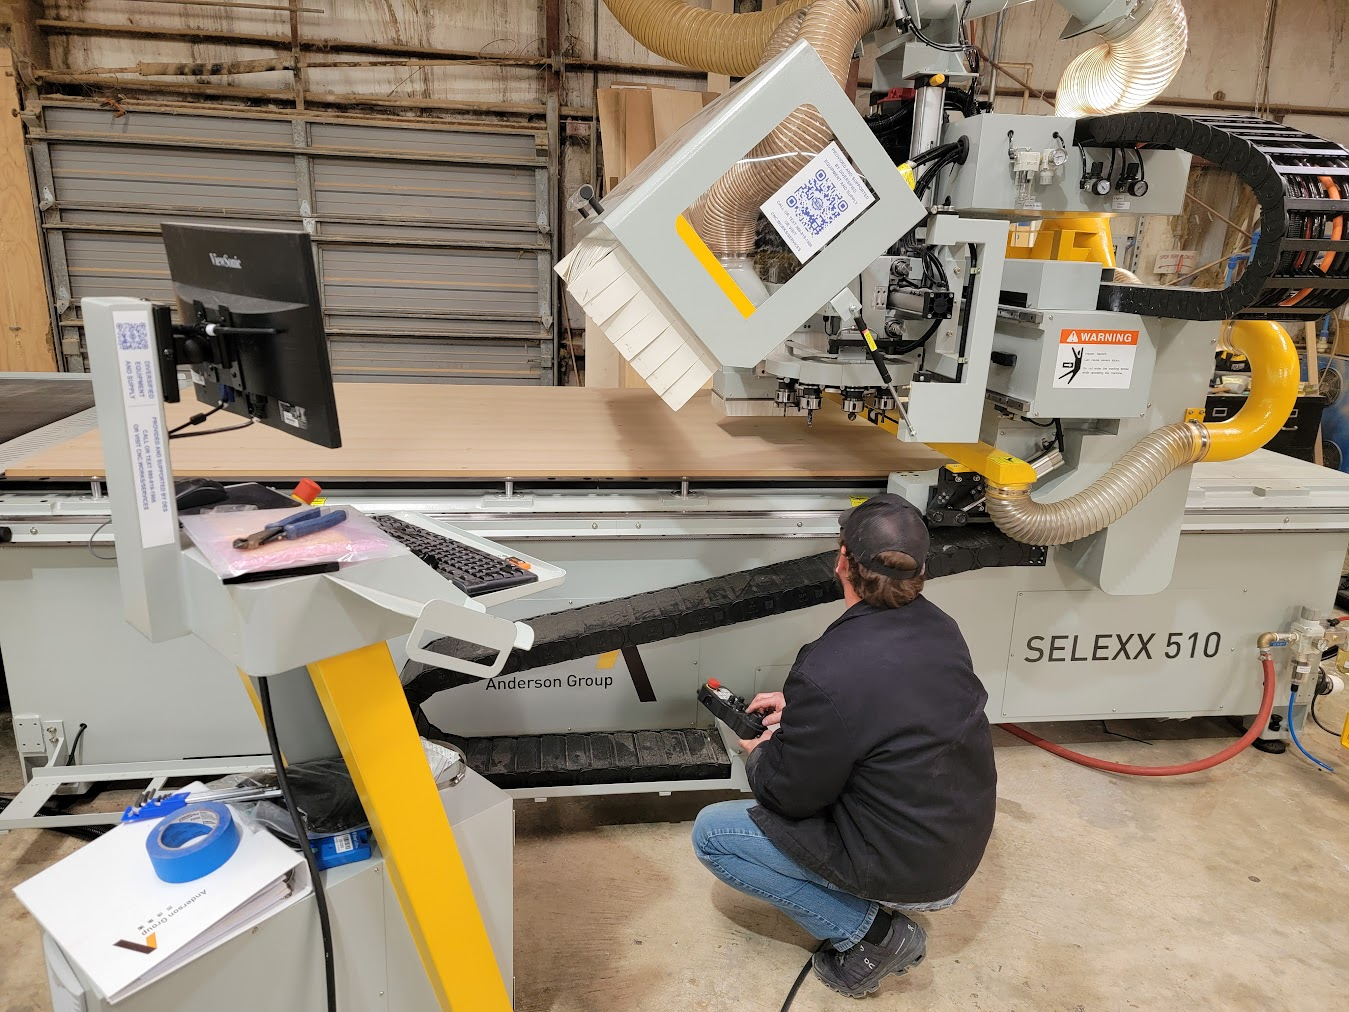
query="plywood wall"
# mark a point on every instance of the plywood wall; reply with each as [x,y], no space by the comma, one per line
[25,320]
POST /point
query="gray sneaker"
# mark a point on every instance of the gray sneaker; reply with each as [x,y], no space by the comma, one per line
[857,972]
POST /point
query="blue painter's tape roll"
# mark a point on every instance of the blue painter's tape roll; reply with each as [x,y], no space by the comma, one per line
[193,842]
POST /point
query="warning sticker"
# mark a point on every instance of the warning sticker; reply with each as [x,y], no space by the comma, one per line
[1096,359]
[818,202]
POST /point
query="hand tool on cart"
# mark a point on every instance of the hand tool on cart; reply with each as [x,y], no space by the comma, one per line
[298,525]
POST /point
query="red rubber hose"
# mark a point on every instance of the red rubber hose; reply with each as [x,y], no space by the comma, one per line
[1260,723]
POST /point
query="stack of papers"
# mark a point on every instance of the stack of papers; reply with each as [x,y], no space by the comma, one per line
[124,928]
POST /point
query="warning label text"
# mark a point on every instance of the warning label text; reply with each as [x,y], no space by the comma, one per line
[1096,359]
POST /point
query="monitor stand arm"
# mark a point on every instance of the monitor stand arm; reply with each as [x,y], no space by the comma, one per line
[202,342]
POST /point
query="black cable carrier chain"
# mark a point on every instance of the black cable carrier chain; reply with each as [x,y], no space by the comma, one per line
[1297,271]
[703,605]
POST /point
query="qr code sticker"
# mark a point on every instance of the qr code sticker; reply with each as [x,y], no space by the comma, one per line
[818,202]
[132,335]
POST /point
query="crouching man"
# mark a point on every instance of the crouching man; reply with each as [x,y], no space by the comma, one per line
[873,782]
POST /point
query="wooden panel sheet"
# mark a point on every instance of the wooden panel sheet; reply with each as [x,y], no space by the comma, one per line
[25,319]
[414,431]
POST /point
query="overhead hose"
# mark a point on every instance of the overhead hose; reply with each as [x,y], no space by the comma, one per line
[729,213]
[1274,384]
[1180,769]
[710,41]
[1138,59]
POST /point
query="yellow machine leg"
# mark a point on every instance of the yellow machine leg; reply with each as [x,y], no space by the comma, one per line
[369,716]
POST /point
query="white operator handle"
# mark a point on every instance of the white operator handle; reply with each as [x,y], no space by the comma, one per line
[446,619]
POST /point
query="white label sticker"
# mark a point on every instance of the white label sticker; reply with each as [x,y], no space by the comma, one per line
[343,843]
[293,415]
[145,434]
[818,202]
[1176,261]
[1120,204]
[1096,359]
[1031,204]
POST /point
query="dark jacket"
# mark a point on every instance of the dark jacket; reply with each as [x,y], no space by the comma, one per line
[880,778]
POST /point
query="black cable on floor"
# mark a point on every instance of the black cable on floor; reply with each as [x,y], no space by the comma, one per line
[1120,734]
[801,978]
[302,839]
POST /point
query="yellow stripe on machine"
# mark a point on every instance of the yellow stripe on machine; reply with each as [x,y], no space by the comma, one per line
[713,267]
[364,703]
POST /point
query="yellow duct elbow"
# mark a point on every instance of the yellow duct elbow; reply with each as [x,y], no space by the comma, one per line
[1275,375]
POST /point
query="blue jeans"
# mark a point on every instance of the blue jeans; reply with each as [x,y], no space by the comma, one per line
[735,850]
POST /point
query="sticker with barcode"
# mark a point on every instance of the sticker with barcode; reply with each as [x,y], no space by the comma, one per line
[147,441]
[343,843]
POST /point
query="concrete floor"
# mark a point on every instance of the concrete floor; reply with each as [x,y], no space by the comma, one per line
[1224,890]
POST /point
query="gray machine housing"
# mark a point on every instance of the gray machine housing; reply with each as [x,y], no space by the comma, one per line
[1060,300]
[986,184]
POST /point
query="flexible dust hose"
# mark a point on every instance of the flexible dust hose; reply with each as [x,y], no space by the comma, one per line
[1274,385]
[833,28]
[1138,59]
[713,42]
[1145,466]
[1180,769]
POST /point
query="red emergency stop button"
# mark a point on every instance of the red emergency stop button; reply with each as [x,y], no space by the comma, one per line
[307,491]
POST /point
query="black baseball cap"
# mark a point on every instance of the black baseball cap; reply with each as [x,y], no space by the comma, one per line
[885,523]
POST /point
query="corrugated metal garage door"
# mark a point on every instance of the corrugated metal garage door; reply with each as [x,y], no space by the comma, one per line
[433,244]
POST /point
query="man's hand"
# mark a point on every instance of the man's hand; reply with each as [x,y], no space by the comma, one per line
[750,746]
[771,705]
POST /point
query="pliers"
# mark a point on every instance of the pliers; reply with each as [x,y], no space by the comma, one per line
[297,525]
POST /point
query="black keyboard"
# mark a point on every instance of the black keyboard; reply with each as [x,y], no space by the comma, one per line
[472,570]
